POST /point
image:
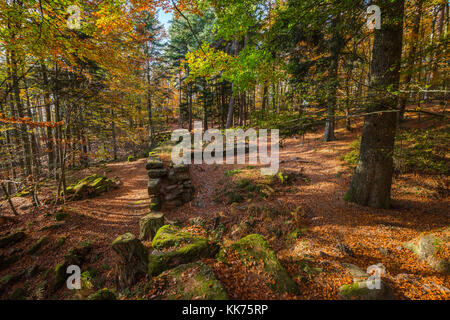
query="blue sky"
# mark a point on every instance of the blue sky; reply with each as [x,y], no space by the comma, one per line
[164,18]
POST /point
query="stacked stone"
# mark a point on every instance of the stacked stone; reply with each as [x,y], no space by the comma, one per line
[172,187]
[156,172]
[179,189]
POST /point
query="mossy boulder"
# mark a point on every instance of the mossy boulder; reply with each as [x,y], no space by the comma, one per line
[34,249]
[194,281]
[75,256]
[60,215]
[132,262]
[357,273]
[428,247]
[90,187]
[103,294]
[157,173]
[78,254]
[154,186]
[361,291]
[11,239]
[255,249]
[154,163]
[173,247]
[150,224]
[60,276]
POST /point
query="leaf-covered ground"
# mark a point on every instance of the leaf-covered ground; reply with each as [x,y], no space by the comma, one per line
[301,213]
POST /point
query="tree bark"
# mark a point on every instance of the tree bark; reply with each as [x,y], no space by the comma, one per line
[48,117]
[372,180]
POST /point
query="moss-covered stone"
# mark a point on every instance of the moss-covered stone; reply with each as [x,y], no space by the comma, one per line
[192,281]
[60,276]
[90,186]
[157,173]
[254,248]
[154,186]
[61,241]
[426,248]
[11,239]
[171,236]
[103,294]
[37,246]
[357,273]
[60,215]
[75,256]
[149,225]
[154,163]
[174,247]
[360,291]
[78,254]
[133,258]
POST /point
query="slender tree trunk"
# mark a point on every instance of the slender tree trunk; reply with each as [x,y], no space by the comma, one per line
[190,108]
[230,109]
[180,100]
[113,130]
[411,57]
[335,50]
[372,180]
[20,112]
[48,117]
[205,108]
[264,99]
[8,197]
[234,51]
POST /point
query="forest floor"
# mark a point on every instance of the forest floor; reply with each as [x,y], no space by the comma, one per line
[311,203]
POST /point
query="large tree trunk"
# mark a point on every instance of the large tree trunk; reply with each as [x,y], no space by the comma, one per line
[372,180]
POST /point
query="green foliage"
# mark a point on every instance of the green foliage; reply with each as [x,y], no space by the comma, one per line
[351,157]
[416,150]
[60,215]
[423,150]
[232,172]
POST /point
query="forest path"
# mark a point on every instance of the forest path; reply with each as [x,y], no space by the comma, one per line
[125,205]
[374,236]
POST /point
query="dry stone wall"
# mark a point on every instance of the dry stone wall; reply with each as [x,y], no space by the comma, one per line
[168,186]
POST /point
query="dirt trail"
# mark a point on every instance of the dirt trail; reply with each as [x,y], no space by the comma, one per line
[373,235]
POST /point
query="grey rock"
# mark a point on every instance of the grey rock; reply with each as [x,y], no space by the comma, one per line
[157,173]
